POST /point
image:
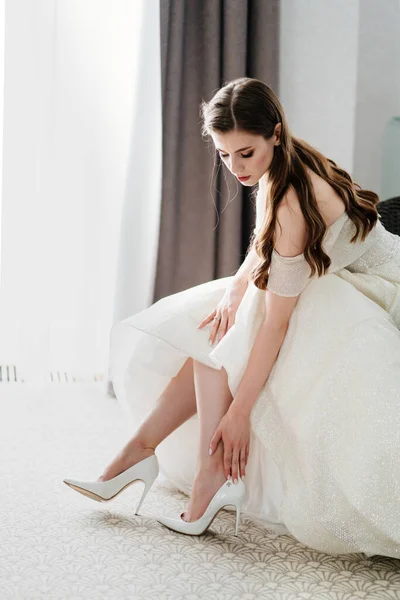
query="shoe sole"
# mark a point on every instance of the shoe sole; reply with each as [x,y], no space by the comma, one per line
[94,496]
[209,525]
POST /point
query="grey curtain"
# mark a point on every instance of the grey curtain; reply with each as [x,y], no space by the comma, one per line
[206,216]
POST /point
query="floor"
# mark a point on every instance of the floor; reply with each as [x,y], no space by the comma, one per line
[57,544]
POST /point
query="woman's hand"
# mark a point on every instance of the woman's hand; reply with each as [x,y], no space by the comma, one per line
[225,311]
[234,431]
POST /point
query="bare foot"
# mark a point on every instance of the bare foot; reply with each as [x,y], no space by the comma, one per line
[205,485]
[129,456]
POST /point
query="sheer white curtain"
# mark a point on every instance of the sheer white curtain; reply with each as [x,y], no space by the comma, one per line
[74,156]
[142,199]
[2,17]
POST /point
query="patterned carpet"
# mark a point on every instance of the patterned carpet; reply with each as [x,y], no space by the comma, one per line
[57,544]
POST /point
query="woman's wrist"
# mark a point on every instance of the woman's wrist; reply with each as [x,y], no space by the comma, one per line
[240,281]
[239,411]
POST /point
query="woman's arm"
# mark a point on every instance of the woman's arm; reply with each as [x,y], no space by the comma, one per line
[234,427]
[243,273]
[290,240]
[262,358]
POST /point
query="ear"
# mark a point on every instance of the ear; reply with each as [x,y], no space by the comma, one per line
[277,133]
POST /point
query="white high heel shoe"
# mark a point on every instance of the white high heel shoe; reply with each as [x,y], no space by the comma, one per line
[146,470]
[228,494]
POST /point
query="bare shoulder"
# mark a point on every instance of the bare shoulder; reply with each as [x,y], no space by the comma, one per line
[291,228]
[290,205]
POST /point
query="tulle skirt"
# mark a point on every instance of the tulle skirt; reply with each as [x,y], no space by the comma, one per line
[324,461]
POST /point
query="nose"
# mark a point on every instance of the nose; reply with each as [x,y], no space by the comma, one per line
[236,166]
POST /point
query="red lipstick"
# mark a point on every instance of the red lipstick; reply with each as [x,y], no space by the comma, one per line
[244,178]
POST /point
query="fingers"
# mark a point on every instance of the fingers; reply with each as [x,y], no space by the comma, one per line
[235,461]
[214,441]
[215,325]
[221,324]
[242,462]
[207,319]
[227,461]
[222,328]
[239,461]
[235,464]
[226,323]
[214,330]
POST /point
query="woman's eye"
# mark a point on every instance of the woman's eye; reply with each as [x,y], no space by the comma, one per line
[243,155]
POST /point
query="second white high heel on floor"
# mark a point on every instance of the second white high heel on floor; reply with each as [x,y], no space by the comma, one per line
[102,491]
[228,494]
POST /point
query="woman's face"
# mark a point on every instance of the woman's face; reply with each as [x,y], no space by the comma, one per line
[246,154]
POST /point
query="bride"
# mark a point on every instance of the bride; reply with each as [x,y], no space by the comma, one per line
[288,372]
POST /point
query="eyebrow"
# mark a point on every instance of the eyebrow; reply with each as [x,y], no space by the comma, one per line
[240,149]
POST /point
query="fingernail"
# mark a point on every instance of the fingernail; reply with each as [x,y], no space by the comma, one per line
[242,476]
[235,481]
[209,451]
[210,343]
[229,477]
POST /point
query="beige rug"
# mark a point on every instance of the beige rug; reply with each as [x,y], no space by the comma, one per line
[57,544]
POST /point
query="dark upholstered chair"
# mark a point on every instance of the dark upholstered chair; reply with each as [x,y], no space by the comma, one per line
[390,214]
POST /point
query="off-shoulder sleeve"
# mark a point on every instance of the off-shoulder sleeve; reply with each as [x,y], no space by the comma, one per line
[288,275]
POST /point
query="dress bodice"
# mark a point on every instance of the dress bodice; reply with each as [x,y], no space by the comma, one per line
[378,253]
[379,246]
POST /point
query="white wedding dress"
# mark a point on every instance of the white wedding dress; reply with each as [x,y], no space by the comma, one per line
[324,461]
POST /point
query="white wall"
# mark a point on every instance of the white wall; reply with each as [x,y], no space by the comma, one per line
[69,73]
[318,73]
[378,88]
[340,78]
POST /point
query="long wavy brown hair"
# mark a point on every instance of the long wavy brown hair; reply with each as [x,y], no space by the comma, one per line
[250,105]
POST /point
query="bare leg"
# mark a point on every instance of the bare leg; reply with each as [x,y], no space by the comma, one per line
[213,400]
[196,387]
[174,407]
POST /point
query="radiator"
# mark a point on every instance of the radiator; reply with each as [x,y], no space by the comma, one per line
[10,374]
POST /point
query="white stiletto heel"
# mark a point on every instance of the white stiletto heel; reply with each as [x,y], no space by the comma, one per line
[238,509]
[102,491]
[228,494]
